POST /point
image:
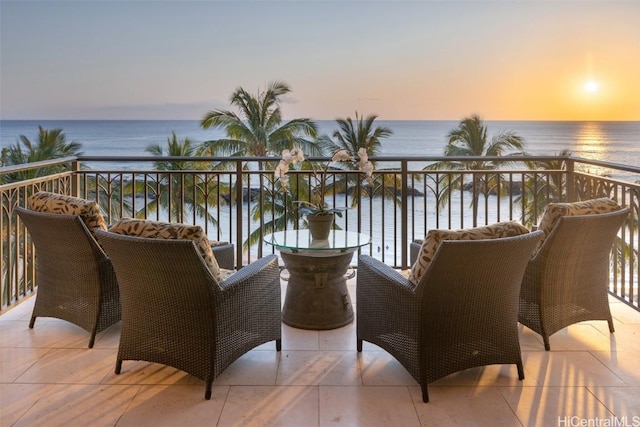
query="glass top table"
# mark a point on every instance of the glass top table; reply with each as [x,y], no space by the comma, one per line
[317,296]
[339,241]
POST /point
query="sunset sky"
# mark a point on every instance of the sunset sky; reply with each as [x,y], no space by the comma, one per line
[414,60]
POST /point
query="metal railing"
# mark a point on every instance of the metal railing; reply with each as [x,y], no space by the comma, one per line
[238,200]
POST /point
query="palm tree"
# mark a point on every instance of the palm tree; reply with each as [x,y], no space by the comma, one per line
[169,190]
[352,137]
[470,139]
[538,190]
[258,129]
[51,144]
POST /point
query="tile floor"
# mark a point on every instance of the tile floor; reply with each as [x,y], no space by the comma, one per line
[49,377]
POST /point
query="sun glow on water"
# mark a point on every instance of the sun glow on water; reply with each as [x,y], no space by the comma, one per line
[592,140]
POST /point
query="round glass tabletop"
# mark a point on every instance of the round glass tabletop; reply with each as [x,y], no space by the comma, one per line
[300,240]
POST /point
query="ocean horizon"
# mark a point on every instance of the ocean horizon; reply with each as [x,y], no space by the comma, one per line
[612,141]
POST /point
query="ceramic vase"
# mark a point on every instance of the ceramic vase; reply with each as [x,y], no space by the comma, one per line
[320,225]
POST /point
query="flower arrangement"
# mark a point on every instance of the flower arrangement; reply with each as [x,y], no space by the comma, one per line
[317,205]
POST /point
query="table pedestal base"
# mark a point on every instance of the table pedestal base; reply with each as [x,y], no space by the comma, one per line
[317,295]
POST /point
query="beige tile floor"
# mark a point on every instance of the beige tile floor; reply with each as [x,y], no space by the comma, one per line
[49,377]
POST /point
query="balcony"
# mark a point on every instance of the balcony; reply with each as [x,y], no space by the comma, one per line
[49,377]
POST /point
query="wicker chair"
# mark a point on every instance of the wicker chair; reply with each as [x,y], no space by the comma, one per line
[462,313]
[225,255]
[75,279]
[176,314]
[566,280]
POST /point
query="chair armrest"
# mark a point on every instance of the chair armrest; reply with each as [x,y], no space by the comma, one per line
[389,275]
[387,306]
[262,271]
[248,307]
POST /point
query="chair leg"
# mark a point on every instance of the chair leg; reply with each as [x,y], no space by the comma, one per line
[32,321]
[207,392]
[547,347]
[520,371]
[359,345]
[425,393]
[279,345]
[92,340]
[118,366]
[611,328]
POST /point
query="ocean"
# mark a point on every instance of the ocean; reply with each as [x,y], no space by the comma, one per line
[617,142]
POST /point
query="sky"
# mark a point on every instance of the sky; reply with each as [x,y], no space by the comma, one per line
[399,60]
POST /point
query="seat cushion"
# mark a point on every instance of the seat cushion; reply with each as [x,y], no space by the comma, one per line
[88,210]
[554,211]
[165,230]
[434,237]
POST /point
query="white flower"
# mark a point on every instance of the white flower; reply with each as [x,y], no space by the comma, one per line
[282,169]
[287,157]
[366,168]
[364,165]
[284,180]
[294,155]
[342,156]
[362,154]
[281,173]
[297,154]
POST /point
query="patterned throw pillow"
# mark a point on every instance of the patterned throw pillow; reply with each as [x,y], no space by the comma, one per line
[556,210]
[88,210]
[434,237]
[166,230]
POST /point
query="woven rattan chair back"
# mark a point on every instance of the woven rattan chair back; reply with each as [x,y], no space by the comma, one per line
[567,280]
[75,279]
[176,314]
[462,314]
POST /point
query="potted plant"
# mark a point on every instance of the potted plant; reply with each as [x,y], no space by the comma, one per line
[319,215]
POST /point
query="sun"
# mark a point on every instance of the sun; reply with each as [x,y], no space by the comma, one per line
[591,86]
